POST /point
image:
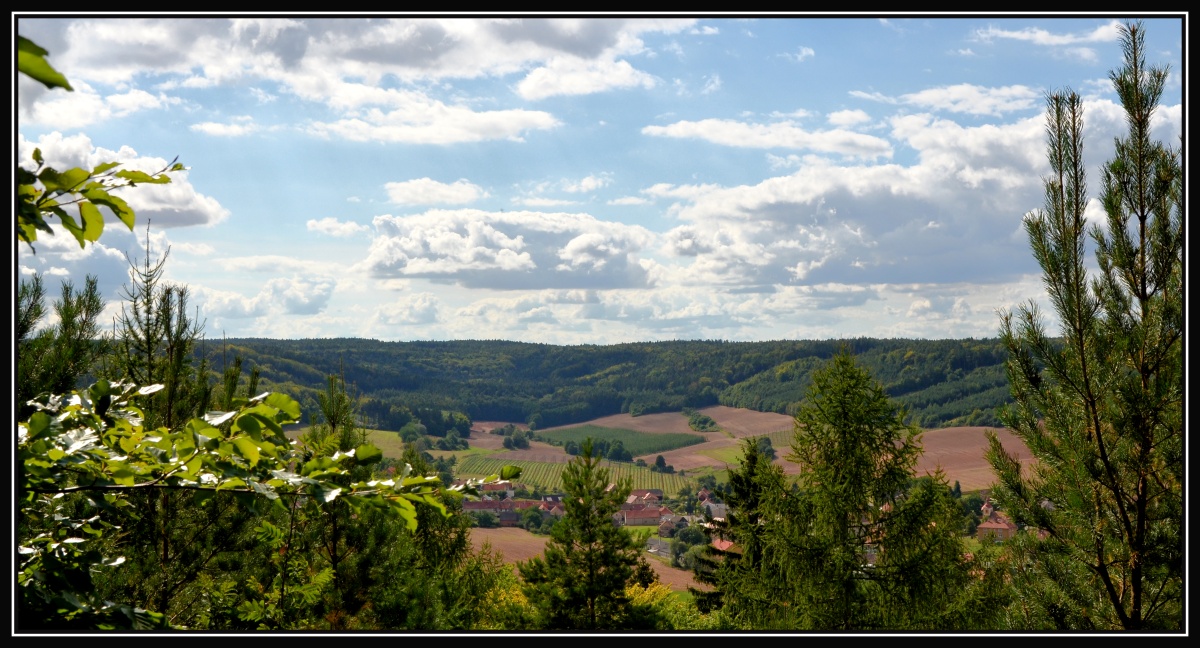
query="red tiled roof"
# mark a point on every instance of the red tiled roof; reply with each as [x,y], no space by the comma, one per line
[722,545]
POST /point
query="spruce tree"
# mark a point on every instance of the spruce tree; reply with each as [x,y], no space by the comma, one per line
[1100,405]
[579,583]
[855,543]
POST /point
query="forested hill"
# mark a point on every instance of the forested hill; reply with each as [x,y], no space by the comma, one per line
[942,382]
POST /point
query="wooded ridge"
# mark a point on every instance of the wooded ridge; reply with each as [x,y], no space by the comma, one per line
[941,382]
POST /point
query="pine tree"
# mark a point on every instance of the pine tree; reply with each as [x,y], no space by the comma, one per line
[55,358]
[580,582]
[1101,406]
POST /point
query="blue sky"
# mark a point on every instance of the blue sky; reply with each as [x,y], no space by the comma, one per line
[589,179]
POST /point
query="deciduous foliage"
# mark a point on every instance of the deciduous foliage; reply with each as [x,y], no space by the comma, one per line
[111,471]
[1101,405]
[45,192]
[589,561]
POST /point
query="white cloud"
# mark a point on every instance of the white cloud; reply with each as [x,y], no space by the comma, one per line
[176,204]
[777,135]
[416,309]
[541,201]
[509,250]
[426,191]
[427,121]
[975,100]
[848,117]
[588,184]
[801,54]
[85,106]
[629,200]
[295,295]
[243,125]
[334,227]
[572,76]
[1108,33]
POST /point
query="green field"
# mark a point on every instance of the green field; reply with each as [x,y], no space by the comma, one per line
[637,443]
[549,475]
[731,455]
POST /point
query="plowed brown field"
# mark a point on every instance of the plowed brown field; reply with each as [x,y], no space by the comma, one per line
[958,451]
[518,544]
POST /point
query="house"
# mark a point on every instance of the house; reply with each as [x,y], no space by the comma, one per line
[670,524]
[647,494]
[500,489]
[722,545]
[996,527]
[509,518]
[666,529]
[649,516]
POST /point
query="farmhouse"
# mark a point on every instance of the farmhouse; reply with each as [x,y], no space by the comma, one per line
[645,516]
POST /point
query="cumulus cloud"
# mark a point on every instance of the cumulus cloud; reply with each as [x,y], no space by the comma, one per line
[427,121]
[848,117]
[334,227]
[629,200]
[509,250]
[964,98]
[425,191]
[85,106]
[176,204]
[588,184]
[572,76]
[300,295]
[416,309]
[975,100]
[776,135]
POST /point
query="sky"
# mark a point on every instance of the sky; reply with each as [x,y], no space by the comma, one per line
[582,179]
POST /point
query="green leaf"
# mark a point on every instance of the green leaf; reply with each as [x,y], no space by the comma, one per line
[265,490]
[328,495]
[135,176]
[118,206]
[367,454]
[31,61]
[66,181]
[93,222]
[510,472]
[250,426]
[247,449]
[105,167]
[285,404]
